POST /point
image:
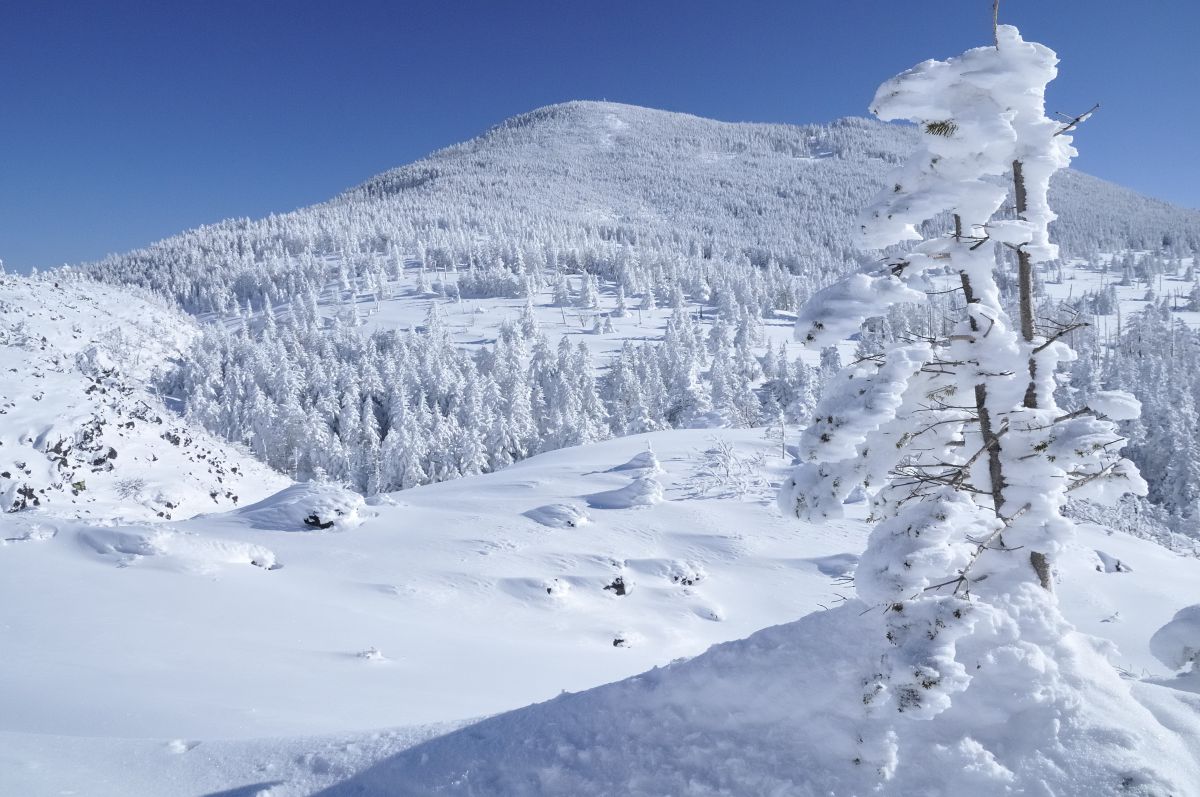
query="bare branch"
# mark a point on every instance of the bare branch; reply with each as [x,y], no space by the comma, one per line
[1066,330]
[1078,120]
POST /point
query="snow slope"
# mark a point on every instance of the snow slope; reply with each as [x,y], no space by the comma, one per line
[780,713]
[192,665]
[81,433]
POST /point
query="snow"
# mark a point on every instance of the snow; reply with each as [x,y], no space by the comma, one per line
[1177,644]
[298,638]
[475,607]
[642,491]
[776,714]
[81,434]
[1116,405]
[447,569]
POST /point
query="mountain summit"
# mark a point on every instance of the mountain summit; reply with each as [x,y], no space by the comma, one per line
[591,177]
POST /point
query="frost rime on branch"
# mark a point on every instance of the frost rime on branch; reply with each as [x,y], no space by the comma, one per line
[959,439]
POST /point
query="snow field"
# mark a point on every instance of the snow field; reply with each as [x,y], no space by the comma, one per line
[474,608]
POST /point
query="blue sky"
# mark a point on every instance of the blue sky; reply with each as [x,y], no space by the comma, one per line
[123,122]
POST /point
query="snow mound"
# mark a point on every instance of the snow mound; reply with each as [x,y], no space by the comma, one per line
[840,565]
[558,516]
[642,491]
[308,506]
[645,462]
[1107,563]
[781,713]
[173,549]
[1177,643]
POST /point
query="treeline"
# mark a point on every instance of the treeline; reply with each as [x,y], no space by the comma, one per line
[1157,358]
[394,410]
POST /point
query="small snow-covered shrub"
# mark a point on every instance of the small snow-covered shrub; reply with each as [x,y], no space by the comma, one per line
[371,654]
[722,472]
[131,487]
[558,516]
[305,507]
[645,462]
[642,491]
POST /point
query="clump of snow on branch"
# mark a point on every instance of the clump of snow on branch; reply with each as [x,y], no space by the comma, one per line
[1116,405]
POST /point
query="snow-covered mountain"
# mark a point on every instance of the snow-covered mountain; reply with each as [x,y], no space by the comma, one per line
[611,225]
[598,183]
[185,619]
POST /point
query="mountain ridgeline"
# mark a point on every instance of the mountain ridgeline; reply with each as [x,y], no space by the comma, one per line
[607,189]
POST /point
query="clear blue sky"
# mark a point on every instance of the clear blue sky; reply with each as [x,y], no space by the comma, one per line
[123,122]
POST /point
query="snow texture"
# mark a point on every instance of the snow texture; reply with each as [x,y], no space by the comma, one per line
[1177,644]
[309,506]
[642,491]
[775,714]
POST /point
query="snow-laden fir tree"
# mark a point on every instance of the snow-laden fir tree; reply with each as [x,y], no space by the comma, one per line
[958,438]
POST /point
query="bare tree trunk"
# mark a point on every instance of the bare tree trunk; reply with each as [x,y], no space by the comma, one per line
[988,433]
[1037,559]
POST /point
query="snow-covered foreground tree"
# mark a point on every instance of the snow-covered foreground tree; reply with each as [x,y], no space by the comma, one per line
[967,455]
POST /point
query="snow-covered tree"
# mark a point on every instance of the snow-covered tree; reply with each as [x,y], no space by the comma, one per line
[958,437]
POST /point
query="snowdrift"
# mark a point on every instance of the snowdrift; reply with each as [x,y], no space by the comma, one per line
[642,491]
[311,506]
[780,713]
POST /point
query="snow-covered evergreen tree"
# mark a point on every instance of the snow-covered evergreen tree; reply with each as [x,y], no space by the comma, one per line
[958,437]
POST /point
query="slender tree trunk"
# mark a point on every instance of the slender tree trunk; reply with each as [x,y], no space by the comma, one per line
[1037,559]
[987,432]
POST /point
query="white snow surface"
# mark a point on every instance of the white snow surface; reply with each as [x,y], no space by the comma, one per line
[80,433]
[764,716]
[176,661]
[1177,644]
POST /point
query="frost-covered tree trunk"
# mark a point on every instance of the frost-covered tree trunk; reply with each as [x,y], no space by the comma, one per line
[958,438]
